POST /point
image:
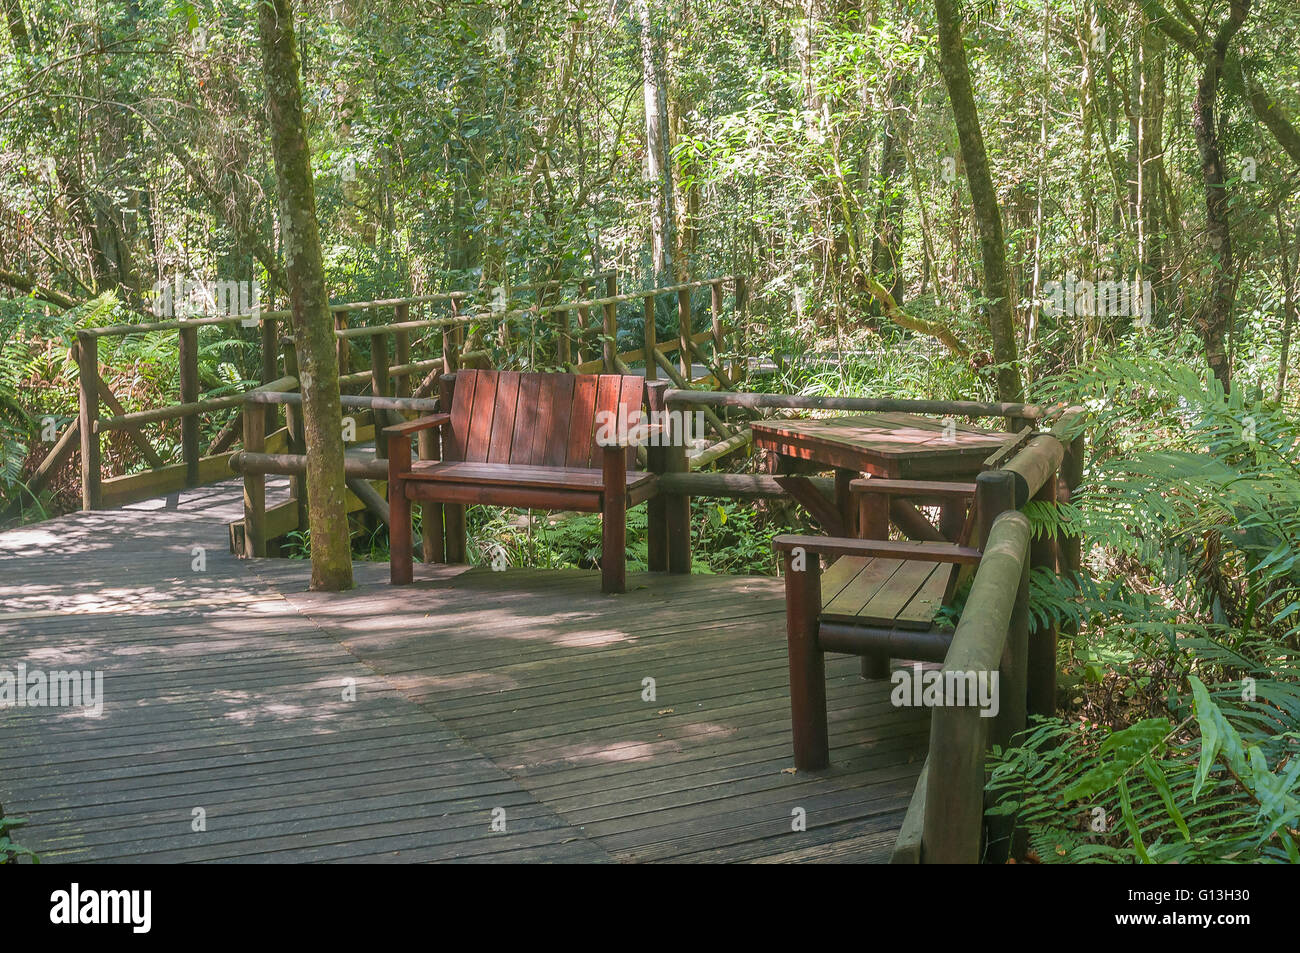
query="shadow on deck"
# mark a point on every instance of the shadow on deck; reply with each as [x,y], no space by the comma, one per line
[523,691]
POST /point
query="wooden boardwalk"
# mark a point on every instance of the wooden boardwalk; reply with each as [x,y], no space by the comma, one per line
[520,696]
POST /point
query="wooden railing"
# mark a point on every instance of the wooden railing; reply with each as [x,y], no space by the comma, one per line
[394,330]
[946,821]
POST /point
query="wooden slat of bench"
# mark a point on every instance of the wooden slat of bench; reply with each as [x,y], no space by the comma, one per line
[871,577]
[838,575]
[480,421]
[503,474]
[920,609]
[887,604]
[545,401]
[462,404]
[608,388]
[555,446]
[504,417]
[631,396]
[521,443]
[580,424]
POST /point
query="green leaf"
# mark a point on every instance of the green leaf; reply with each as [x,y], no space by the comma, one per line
[1217,737]
[1128,746]
[1156,775]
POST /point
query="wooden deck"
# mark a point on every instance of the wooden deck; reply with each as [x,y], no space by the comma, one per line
[475,691]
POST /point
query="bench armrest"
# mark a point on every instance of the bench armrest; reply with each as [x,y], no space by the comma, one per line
[415,426]
[637,435]
[880,548]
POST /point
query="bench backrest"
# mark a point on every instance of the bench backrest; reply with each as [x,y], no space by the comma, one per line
[536,419]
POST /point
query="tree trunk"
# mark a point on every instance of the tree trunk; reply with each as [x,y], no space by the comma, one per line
[988,218]
[658,168]
[1288,276]
[313,325]
[891,201]
[1216,314]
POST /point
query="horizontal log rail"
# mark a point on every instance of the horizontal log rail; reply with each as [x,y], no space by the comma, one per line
[396,374]
[176,324]
[246,462]
[958,408]
[174,411]
[368,401]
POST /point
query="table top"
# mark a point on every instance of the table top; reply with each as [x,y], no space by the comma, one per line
[894,445]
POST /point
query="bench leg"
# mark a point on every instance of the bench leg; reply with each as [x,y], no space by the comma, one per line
[400,568]
[613,543]
[657,534]
[613,546]
[431,531]
[454,516]
[807,664]
[875,665]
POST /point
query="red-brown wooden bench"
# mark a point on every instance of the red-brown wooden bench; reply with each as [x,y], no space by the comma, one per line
[526,440]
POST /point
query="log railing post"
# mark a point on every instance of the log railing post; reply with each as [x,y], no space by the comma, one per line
[995,493]
[610,349]
[88,415]
[584,320]
[431,514]
[189,377]
[1043,640]
[379,388]
[740,317]
[402,350]
[453,513]
[450,353]
[1071,474]
[651,339]
[684,359]
[563,349]
[341,321]
[254,485]
[677,506]
[656,462]
[296,434]
[270,336]
[715,310]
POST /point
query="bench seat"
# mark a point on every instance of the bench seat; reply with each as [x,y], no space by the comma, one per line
[509,474]
[891,593]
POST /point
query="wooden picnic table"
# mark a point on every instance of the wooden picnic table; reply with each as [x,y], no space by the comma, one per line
[894,446]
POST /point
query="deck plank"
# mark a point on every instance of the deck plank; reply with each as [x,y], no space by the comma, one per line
[475,690]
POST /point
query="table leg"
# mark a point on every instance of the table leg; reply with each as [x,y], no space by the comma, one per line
[952,517]
[802,491]
[873,516]
[844,500]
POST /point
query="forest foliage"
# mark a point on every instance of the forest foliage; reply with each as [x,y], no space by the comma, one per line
[1144,160]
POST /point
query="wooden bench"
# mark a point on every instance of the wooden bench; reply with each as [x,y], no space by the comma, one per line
[877,598]
[522,439]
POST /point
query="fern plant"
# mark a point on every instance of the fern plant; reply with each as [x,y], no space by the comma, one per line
[1184,668]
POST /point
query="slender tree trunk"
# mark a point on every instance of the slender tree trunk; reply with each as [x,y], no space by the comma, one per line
[988,218]
[313,325]
[891,202]
[1288,275]
[658,167]
[1216,314]
[1151,133]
